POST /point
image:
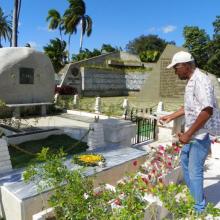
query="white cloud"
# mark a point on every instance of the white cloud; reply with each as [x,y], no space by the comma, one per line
[168,29]
[152,30]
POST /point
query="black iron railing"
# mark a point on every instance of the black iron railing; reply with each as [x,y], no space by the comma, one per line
[146,126]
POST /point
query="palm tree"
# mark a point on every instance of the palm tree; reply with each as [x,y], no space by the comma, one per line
[55,50]
[74,16]
[16,13]
[5,27]
[56,21]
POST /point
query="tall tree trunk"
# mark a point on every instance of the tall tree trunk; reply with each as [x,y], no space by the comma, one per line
[81,37]
[15,24]
[16,13]
[69,39]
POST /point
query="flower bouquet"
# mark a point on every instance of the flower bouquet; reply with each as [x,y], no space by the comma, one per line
[89,159]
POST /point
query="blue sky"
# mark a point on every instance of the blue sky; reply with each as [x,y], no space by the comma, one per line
[117,21]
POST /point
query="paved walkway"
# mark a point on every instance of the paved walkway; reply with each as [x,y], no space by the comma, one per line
[212,181]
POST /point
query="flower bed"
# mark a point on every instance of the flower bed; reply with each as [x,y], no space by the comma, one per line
[147,194]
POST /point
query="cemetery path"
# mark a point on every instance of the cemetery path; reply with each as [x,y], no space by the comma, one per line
[77,117]
[212,181]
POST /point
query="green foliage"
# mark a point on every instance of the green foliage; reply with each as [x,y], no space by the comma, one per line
[146,43]
[216,25]
[197,41]
[213,64]
[73,196]
[75,15]
[179,202]
[109,48]
[56,21]
[5,27]
[56,51]
[149,56]
[85,54]
[132,206]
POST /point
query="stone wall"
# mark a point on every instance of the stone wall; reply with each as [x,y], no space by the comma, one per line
[37,83]
[106,83]
[170,84]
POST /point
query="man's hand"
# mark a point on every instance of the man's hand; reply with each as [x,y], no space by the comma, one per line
[165,119]
[184,138]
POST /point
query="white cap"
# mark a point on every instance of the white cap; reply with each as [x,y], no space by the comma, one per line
[180,57]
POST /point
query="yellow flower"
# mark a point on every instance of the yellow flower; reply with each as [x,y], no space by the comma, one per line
[89,159]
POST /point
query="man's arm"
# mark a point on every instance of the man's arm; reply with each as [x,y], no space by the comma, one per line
[177,114]
[202,118]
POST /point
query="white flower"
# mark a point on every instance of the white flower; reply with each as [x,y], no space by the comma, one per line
[180,196]
[210,217]
[86,196]
[110,187]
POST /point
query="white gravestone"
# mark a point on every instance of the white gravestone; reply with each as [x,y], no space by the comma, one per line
[5,162]
[75,101]
[95,136]
[98,105]
[125,106]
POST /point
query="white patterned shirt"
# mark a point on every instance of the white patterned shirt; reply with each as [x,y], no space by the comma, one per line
[199,94]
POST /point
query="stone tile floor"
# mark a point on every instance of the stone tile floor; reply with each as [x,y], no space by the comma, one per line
[212,181]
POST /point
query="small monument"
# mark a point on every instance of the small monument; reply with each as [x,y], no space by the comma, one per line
[98,105]
[76,101]
[125,106]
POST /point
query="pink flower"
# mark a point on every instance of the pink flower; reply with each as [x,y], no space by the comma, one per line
[161,148]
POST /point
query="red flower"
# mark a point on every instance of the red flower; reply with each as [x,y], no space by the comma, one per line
[169,164]
[135,162]
[145,180]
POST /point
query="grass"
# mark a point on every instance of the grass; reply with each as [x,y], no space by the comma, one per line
[112,106]
[54,143]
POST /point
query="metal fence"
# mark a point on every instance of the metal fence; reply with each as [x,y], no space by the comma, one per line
[146,126]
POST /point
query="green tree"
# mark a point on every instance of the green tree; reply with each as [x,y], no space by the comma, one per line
[85,54]
[5,27]
[149,56]
[56,51]
[213,64]
[143,43]
[147,43]
[16,14]
[56,21]
[75,15]
[198,43]
[109,48]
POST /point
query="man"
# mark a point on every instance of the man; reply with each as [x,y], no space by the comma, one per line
[199,102]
